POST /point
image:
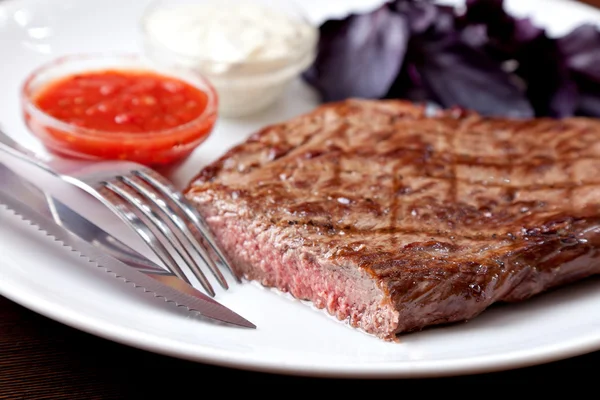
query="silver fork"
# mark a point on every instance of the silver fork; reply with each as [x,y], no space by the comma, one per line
[131,190]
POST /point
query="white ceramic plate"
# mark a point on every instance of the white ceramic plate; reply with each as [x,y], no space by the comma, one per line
[291,337]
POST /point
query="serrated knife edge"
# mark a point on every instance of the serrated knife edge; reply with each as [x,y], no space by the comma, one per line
[206,307]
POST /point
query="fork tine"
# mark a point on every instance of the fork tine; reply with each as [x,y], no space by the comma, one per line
[138,226]
[155,197]
[162,185]
[127,194]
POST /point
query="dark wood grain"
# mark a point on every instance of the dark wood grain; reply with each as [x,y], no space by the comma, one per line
[595,3]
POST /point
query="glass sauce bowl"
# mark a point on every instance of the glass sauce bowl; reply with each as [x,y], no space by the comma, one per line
[244,86]
[153,148]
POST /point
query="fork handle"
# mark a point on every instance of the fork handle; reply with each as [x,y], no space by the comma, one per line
[9,146]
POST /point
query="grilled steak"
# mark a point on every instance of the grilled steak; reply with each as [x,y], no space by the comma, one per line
[396,221]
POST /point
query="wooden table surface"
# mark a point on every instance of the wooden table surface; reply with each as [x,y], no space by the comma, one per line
[43,359]
[592,2]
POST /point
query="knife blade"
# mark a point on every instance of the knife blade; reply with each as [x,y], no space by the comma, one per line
[52,208]
[150,277]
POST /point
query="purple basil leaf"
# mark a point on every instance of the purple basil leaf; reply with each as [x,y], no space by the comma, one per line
[419,14]
[524,30]
[445,23]
[408,85]
[359,56]
[506,34]
[550,87]
[588,96]
[475,36]
[539,63]
[581,47]
[589,103]
[456,74]
[491,14]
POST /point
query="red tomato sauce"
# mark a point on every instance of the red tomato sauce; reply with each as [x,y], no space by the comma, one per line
[120,106]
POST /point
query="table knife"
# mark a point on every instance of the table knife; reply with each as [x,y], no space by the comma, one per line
[81,235]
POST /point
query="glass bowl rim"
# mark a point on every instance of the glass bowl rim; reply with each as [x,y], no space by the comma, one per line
[44,118]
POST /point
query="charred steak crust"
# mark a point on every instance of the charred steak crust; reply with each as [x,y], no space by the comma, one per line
[397,221]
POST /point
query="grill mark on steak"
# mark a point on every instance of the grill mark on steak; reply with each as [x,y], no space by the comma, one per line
[436,218]
[395,194]
[572,177]
[453,179]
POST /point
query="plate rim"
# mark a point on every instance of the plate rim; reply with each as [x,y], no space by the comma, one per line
[388,370]
[382,370]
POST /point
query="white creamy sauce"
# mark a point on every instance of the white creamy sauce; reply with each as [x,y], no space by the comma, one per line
[247,51]
[247,32]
